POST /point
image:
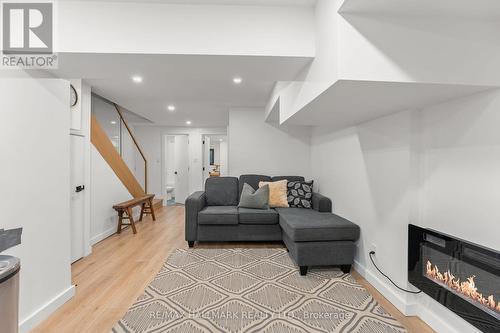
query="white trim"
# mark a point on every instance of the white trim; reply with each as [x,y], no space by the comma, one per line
[416,307]
[103,235]
[388,292]
[163,166]
[76,132]
[42,313]
[109,232]
[86,105]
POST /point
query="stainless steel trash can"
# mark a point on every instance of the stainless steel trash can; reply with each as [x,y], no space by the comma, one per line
[9,294]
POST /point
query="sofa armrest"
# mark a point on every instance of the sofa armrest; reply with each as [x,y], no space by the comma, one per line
[321,203]
[194,203]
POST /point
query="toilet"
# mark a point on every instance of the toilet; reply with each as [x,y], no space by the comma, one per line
[170,192]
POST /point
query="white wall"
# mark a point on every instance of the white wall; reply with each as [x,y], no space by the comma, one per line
[156,28]
[151,141]
[438,167]
[34,186]
[414,48]
[128,153]
[323,71]
[393,46]
[106,190]
[262,148]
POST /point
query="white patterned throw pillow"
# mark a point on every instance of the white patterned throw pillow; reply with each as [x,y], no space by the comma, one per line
[299,194]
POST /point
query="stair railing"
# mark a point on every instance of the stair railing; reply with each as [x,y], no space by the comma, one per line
[122,120]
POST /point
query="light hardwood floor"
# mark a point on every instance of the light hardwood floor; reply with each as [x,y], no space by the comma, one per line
[121,266]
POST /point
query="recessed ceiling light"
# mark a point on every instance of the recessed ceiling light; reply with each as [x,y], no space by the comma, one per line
[171,107]
[237,80]
[113,122]
[137,78]
[188,122]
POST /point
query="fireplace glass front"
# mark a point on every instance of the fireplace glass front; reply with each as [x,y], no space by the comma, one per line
[463,276]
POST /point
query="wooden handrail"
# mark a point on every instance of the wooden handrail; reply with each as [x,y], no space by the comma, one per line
[137,145]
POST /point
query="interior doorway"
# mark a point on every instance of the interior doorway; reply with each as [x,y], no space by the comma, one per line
[215,152]
[176,169]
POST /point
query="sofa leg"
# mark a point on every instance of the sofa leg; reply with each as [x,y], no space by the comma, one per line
[303,270]
[345,268]
[191,243]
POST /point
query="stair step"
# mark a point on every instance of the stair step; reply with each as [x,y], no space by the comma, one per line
[157,203]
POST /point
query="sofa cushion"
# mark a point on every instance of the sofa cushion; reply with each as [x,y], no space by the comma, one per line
[252,180]
[307,225]
[222,191]
[257,216]
[277,193]
[289,178]
[300,194]
[218,215]
[257,199]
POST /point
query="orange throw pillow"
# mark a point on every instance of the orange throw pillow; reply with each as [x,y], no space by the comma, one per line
[277,193]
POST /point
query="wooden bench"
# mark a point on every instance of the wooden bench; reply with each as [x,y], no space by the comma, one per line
[124,210]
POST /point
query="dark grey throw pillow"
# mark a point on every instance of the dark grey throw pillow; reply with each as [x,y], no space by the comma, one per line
[251,198]
[300,194]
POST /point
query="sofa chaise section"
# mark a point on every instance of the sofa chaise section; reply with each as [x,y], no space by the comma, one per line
[318,238]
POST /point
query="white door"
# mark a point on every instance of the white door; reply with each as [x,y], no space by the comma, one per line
[206,159]
[181,172]
[77,196]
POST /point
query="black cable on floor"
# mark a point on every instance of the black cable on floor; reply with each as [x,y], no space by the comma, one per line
[388,278]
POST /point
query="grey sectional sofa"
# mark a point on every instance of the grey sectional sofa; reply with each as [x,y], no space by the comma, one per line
[314,237]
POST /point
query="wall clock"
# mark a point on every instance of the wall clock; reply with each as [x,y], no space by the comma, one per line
[73,96]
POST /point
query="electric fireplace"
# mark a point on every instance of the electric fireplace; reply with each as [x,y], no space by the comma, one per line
[462,276]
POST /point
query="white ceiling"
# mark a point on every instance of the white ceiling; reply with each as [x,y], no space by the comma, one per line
[200,87]
[306,3]
[466,9]
[347,103]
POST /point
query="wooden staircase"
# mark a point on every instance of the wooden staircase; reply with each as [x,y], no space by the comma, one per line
[103,144]
[112,156]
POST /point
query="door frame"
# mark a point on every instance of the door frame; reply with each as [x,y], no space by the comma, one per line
[203,150]
[163,166]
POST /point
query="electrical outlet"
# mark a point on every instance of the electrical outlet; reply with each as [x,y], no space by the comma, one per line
[373,247]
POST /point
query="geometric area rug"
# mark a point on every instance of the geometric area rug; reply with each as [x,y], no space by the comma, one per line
[252,290]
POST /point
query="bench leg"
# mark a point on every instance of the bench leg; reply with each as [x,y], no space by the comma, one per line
[345,268]
[303,270]
[131,218]
[190,243]
[142,212]
[120,219]
[152,209]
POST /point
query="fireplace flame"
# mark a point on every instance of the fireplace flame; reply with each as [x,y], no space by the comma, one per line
[467,287]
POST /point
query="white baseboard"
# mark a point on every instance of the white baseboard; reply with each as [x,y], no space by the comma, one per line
[108,232]
[431,312]
[392,296]
[103,235]
[42,313]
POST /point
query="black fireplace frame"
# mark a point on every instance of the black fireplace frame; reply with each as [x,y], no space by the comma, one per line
[456,248]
